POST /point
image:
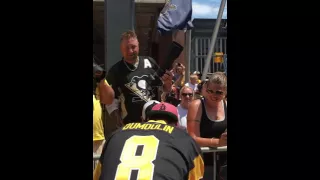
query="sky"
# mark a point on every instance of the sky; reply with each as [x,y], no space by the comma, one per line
[207,9]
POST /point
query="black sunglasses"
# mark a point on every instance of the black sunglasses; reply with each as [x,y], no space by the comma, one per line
[210,91]
[185,94]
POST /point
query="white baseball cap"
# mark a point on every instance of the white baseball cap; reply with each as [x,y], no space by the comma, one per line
[147,107]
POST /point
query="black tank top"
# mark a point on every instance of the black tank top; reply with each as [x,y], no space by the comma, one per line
[212,129]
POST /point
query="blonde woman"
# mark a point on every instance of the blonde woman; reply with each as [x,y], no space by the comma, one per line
[186,95]
[207,119]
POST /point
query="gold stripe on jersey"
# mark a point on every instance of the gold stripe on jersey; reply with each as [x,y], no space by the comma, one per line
[197,172]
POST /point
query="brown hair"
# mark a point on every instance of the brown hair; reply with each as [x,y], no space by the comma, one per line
[128,34]
[219,78]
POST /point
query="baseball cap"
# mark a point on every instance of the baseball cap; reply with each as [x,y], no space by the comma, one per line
[165,109]
[196,72]
[147,107]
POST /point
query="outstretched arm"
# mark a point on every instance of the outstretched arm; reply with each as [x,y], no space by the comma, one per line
[167,81]
[106,92]
[113,108]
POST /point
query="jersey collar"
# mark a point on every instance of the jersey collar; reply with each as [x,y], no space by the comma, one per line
[158,121]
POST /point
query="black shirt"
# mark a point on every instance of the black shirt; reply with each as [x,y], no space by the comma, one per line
[213,129]
[134,87]
[152,150]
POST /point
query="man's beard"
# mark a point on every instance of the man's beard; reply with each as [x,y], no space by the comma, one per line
[133,58]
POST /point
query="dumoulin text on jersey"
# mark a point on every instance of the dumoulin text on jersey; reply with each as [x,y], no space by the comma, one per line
[140,126]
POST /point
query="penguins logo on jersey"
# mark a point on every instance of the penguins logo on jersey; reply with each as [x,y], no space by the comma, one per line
[139,86]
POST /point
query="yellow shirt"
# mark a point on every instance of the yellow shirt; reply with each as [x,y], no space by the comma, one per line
[98,131]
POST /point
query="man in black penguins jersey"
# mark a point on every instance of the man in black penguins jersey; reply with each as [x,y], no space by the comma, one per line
[133,82]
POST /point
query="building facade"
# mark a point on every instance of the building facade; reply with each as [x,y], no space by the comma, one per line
[200,44]
[112,19]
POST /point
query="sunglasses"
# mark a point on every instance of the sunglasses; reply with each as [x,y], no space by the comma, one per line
[210,91]
[186,94]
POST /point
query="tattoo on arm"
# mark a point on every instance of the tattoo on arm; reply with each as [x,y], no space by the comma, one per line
[195,120]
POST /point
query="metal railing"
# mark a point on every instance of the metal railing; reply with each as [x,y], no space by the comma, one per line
[203,149]
[200,49]
[214,151]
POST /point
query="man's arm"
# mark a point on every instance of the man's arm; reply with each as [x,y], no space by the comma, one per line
[98,168]
[166,78]
[113,108]
[180,81]
[106,92]
[192,153]
[167,81]
[197,171]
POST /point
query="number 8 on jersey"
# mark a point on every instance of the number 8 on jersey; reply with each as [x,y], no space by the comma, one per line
[137,154]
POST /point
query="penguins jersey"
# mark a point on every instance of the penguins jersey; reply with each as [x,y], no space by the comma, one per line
[134,86]
[151,150]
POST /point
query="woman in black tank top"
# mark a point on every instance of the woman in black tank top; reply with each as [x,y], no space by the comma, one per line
[207,120]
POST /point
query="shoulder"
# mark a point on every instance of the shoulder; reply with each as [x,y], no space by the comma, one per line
[180,109]
[195,110]
[113,72]
[113,134]
[195,103]
[115,68]
[107,144]
[191,151]
[106,82]
[116,137]
[180,135]
[186,144]
[150,59]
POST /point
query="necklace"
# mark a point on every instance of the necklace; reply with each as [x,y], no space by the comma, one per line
[135,67]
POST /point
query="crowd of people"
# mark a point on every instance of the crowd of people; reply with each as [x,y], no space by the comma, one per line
[168,116]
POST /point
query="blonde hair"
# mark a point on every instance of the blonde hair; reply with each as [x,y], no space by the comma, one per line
[186,87]
[128,34]
[193,76]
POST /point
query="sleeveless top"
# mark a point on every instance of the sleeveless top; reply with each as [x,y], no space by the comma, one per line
[212,129]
